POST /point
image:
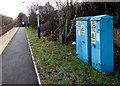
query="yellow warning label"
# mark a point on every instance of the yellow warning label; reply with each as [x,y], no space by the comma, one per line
[93,40]
[93,35]
[83,32]
[83,29]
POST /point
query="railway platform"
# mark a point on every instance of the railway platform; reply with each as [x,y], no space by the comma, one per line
[17,66]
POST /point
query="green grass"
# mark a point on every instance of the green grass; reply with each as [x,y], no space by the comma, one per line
[56,67]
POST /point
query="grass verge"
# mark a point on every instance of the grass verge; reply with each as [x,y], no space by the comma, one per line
[57,64]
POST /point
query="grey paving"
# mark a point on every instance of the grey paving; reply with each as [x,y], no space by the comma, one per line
[17,65]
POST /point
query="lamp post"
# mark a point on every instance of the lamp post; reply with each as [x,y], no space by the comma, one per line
[38,22]
[27,13]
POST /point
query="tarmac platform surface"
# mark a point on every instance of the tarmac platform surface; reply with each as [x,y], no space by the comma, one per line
[17,64]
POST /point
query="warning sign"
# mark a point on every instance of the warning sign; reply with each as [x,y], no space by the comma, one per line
[93,23]
[83,29]
[93,31]
[83,33]
[93,26]
[93,41]
[79,28]
[93,37]
[78,25]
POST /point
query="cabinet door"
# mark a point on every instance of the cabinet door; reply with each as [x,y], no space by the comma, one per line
[84,41]
[78,39]
[95,44]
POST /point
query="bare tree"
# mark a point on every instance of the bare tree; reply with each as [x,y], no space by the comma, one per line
[65,15]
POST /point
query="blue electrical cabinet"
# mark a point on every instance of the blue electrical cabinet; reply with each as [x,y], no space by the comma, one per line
[83,39]
[102,52]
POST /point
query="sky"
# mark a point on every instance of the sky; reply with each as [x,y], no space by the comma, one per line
[12,8]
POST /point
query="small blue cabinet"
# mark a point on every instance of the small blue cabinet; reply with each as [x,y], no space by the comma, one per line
[83,39]
[102,51]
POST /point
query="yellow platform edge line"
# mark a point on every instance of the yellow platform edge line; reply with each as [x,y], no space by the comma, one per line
[6,38]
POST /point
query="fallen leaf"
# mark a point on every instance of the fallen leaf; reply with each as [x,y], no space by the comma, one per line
[69,53]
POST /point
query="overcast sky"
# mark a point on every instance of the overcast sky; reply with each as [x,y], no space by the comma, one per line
[13,7]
